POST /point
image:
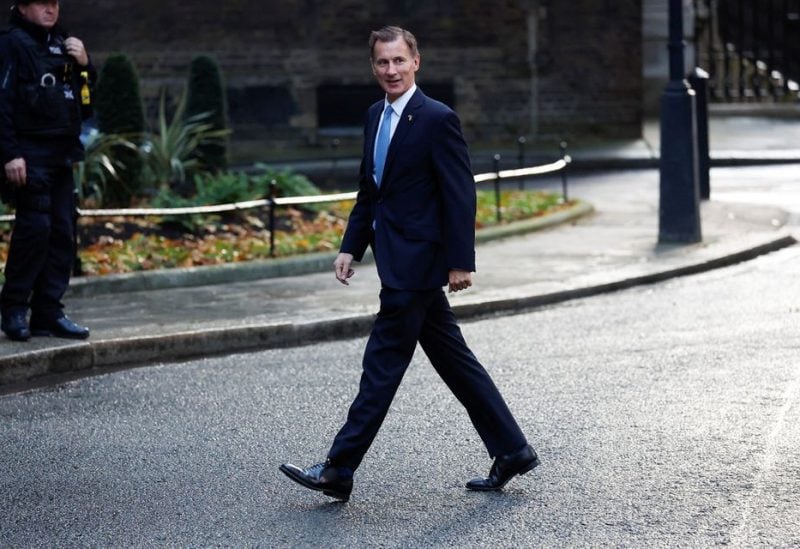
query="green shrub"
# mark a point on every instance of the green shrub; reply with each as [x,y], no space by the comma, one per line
[288,182]
[119,111]
[206,94]
[167,198]
[230,187]
[225,188]
[117,99]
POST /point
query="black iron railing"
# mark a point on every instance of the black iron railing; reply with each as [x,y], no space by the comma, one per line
[750,48]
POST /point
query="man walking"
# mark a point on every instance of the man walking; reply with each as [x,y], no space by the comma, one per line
[44,95]
[416,207]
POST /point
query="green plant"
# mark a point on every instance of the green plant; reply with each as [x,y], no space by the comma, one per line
[229,187]
[100,174]
[225,187]
[206,94]
[288,182]
[167,198]
[119,111]
[117,100]
[170,153]
[210,189]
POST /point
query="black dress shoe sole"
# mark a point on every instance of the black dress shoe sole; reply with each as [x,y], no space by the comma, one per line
[63,335]
[17,337]
[303,482]
[527,468]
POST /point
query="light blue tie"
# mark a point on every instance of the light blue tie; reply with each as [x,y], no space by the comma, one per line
[382,146]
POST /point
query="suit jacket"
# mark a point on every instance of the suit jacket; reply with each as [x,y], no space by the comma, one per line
[424,210]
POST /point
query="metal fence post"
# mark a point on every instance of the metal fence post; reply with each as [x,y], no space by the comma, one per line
[77,265]
[335,142]
[497,187]
[565,158]
[521,158]
[273,191]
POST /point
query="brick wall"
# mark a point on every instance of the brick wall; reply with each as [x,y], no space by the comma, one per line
[590,67]
[274,55]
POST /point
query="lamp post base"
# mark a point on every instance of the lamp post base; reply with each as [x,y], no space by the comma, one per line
[679,206]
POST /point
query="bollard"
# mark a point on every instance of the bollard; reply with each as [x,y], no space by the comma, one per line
[521,158]
[273,191]
[698,80]
[499,215]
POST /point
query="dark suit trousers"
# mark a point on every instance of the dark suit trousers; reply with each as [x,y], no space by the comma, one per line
[405,318]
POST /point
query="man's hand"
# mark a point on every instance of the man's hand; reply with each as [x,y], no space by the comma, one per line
[16,172]
[341,267]
[76,49]
[459,280]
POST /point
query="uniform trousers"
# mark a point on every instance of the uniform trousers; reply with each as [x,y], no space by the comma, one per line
[42,250]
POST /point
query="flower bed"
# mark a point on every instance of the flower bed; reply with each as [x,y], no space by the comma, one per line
[119,245]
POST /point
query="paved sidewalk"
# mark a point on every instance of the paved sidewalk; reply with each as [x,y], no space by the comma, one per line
[613,247]
[610,248]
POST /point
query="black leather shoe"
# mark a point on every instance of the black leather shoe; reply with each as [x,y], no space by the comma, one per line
[58,327]
[330,480]
[505,468]
[15,325]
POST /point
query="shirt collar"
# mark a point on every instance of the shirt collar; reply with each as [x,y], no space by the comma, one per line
[400,103]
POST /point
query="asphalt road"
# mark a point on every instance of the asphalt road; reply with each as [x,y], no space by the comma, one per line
[665,416]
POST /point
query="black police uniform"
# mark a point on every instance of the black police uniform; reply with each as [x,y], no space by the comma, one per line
[40,120]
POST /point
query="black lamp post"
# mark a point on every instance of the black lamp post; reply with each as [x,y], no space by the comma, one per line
[679,207]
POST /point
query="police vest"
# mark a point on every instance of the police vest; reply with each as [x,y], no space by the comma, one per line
[47,89]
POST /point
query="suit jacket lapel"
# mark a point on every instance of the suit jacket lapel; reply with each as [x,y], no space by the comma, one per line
[400,133]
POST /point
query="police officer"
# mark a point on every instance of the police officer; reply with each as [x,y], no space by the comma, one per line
[44,96]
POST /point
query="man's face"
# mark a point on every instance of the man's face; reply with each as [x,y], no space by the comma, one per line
[394,67]
[42,12]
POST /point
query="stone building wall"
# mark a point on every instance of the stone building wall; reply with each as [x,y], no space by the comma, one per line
[275,55]
[589,69]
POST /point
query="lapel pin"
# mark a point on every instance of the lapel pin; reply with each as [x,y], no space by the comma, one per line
[410,117]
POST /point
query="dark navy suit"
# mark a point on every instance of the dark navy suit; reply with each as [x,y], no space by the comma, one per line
[420,223]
